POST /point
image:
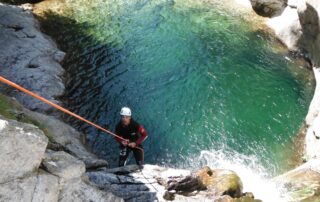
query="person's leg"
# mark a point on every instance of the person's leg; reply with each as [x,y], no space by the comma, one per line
[123,156]
[139,155]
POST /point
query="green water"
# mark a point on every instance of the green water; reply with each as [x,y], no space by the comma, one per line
[196,76]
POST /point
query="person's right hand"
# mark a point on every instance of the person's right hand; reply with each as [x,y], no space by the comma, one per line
[125,142]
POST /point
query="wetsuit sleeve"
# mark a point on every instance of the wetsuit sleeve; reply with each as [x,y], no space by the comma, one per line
[143,133]
[118,133]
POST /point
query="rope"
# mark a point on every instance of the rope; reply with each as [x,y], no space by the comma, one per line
[16,86]
[148,181]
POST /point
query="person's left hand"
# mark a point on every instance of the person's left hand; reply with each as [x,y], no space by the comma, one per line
[132,144]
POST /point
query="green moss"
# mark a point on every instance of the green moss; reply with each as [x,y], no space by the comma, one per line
[11,109]
[7,107]
[307,193]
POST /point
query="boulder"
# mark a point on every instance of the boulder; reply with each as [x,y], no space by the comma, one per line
[217,182]
[63,165]
[22,147]
[268,8]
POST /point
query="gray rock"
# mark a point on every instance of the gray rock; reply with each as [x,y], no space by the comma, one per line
[268,8]
[63,165]
[29,58]
[18,189]
[47,188]
[309,12]
[22,148]
[66,138]
[76,190]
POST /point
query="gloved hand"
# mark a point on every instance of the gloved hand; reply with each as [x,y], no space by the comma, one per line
[132,144]
[125,142]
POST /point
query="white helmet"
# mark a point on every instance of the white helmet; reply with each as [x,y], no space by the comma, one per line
[125,111]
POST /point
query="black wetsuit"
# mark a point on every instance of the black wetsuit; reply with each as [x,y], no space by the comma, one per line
[134,132]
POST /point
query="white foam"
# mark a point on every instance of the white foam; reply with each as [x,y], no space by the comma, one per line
[255,178]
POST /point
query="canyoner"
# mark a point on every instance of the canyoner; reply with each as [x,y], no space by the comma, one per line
[134,134]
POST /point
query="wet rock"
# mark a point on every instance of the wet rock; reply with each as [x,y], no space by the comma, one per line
[29,58]
[22,147]
[216,181]
[268,8]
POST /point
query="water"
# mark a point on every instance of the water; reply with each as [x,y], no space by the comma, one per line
[207,85]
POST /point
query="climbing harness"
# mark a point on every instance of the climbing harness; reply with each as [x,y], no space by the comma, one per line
[16,86]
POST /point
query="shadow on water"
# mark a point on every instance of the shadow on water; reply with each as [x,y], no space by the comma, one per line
[100,59]
[52,22]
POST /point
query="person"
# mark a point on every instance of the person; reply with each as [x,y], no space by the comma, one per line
[133,134]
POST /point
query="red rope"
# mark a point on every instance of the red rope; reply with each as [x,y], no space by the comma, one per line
[16,86]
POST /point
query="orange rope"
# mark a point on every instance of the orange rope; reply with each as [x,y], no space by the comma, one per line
[14,85]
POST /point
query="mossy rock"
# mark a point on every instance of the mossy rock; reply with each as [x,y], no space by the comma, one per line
[302,185]
[11,109]
[220,182]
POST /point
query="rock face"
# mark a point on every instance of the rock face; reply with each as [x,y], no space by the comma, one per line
[61,177]
[268,8]
[29,58]
[297,26]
